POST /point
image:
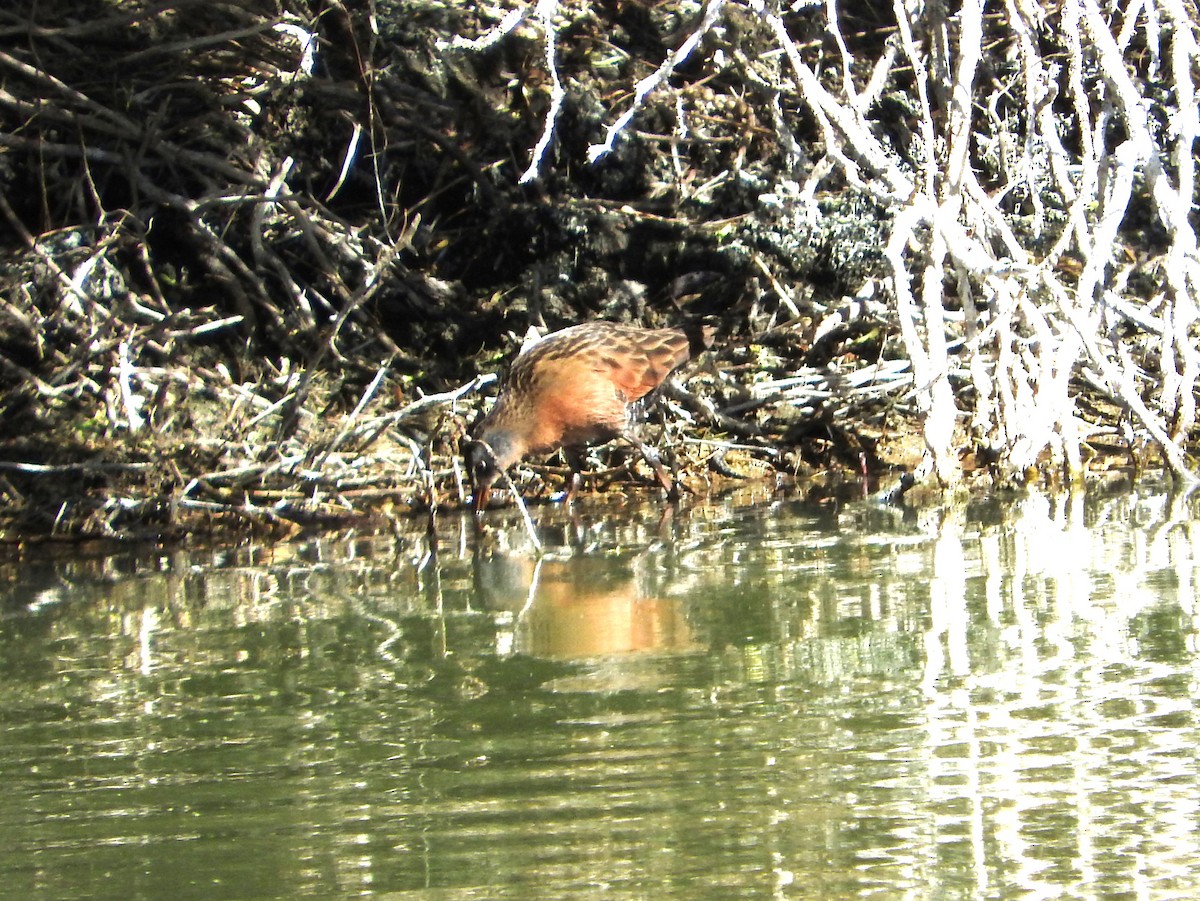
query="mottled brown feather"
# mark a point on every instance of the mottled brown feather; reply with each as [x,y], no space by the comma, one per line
[574,387]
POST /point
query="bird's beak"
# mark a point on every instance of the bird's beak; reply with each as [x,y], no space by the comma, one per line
[482,493]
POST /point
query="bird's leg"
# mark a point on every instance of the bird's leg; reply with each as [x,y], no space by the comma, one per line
[672,484]
[650,455]
[672,457]
[673,493]
[575,460]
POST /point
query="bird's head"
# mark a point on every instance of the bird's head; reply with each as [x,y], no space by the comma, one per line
[487,456]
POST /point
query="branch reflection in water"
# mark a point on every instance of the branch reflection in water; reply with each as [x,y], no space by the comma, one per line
[757,696]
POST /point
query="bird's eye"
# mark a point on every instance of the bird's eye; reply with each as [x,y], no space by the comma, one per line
[480,462]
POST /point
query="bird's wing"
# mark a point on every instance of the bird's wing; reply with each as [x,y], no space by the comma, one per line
[638,361]
[590,363]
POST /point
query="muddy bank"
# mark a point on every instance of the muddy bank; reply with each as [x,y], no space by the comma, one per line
[257,258]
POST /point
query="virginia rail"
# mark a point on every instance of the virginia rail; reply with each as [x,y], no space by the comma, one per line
[573,388]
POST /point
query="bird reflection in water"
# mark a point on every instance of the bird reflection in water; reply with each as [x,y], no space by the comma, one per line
[582,608]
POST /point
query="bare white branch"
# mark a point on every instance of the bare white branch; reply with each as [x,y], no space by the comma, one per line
[651,83]
[545,12]
[512,19]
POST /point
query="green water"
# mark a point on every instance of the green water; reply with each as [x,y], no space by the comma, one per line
[751,698]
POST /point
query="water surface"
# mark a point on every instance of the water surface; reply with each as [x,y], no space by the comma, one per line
[749,698]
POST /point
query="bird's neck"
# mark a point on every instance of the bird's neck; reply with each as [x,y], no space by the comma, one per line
[504,438]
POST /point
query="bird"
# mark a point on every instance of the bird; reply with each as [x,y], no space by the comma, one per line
[576,387]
